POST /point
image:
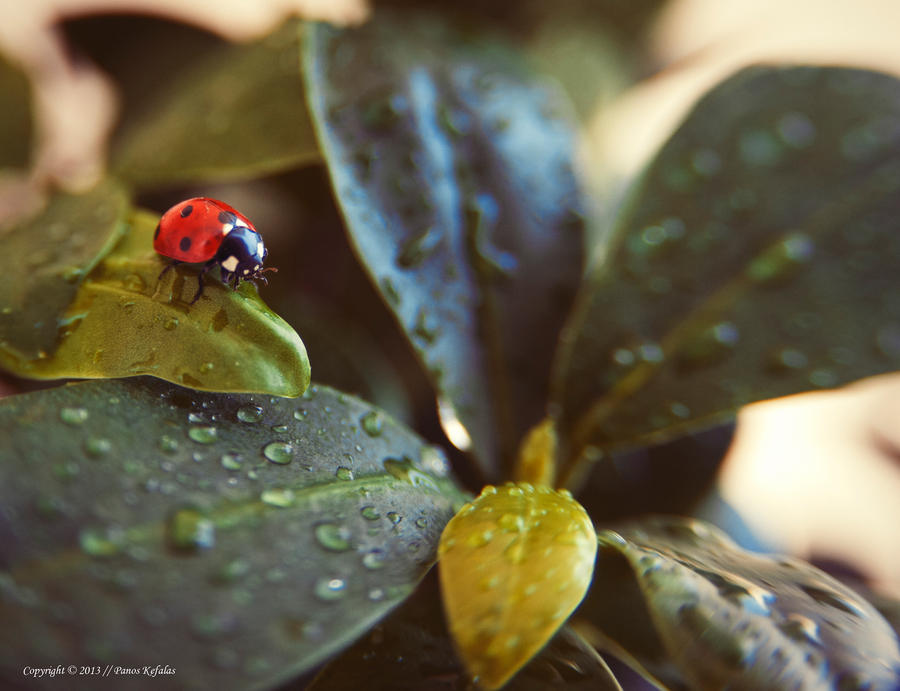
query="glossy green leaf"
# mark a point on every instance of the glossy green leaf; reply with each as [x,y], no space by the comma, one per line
[756,258]
[16,123]
[452,166]
[238,539]
[514,564]
[238,113]
[43,263]
[411,650]
[126,320]
[727,617]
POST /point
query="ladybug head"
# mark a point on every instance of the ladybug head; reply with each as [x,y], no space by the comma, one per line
[241,256]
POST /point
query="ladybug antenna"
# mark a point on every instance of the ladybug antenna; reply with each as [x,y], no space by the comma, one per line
[269,268]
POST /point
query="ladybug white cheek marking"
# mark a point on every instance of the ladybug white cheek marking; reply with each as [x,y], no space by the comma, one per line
[227,228]
[246,271]
[260,249]
[230,264]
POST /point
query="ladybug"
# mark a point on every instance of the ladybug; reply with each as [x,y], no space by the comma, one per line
[207,230]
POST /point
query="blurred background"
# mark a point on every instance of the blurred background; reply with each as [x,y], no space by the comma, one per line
[632,70]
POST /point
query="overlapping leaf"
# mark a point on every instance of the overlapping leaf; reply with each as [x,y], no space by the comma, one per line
[412,651]
[238,113]
[238,539]
[43,263]
[757,258]
[514,564]
[726,617]
[125,320]
[453,169]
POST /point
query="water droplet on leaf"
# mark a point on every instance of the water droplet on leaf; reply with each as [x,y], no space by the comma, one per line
[279,452]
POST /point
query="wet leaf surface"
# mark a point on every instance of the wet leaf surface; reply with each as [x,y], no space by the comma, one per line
[16,127]
[126,320]
[237,113]
[239,539]
[757,258]
[412,651]
[43,263]
[726,617]
[514,564]
[453,170]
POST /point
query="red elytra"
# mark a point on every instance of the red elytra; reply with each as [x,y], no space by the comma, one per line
[192,230]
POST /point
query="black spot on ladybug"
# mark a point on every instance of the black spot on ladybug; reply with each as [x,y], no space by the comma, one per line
[186,211]
[156,232]
[227,217]
[185,243]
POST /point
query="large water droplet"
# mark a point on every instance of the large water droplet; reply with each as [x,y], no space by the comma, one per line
[374,559]
[370,513]
[73,416]
[333,537]
[206,434]
[250,413]
[403,469]
[372,423]
[101,542]
[280,497]
[167,444]
[97,447]
[279,452]
[188,529]
[330,588]
[343,473]
[511,523]
[231,461]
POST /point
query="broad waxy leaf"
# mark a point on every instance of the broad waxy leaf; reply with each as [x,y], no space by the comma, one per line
[452,167]
[411,650]
[727,617]
[43,262]
[16,126]
[757,258]
[514,563]
[125,320]
[236,114]
[238,539]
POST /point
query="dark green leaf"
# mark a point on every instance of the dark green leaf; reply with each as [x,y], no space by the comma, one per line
[238,113]
[43,262]
[238,539]
[126,320]
[412,651]
[672,477]
[16,126]
[727,617]
[453,169]
[757,258]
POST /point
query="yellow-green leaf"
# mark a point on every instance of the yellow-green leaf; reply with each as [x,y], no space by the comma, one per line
[514,564]
[125,320]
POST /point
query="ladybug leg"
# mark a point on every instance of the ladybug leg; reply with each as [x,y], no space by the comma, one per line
[174,262]
[206,267]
